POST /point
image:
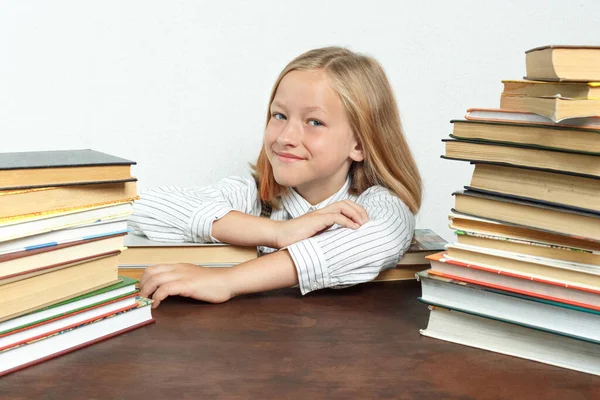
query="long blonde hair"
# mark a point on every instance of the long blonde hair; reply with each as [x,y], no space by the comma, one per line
[371,107]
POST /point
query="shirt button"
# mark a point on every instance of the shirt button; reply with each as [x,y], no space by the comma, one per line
[311,209]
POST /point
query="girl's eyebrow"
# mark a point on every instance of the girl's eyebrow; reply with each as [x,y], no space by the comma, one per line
[313,108]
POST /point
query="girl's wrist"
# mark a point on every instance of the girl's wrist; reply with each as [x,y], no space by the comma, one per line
[273,229]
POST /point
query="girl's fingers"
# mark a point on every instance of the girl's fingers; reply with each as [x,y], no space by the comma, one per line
[153,270]
[157,280]
[359,209]
[351,210]
[172,288]
[342,220]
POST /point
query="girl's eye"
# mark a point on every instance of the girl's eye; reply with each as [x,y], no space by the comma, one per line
[316,122]
[278,116]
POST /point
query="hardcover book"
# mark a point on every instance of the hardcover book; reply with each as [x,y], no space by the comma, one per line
[32,169]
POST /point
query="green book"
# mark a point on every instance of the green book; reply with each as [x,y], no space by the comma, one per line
[123,288]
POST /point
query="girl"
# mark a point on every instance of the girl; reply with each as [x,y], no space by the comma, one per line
[332,201]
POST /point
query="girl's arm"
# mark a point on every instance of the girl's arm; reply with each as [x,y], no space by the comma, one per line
[217,285]
[229,212]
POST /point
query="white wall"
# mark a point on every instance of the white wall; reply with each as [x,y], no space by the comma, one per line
[181,86]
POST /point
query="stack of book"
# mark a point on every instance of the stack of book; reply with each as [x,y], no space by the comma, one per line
[143,252]
[63,219]
[523,276]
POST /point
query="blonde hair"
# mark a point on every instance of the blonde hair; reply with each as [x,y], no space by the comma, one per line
[371,107]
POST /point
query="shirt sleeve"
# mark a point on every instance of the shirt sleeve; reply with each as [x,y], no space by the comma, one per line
[344,257]
[174,214]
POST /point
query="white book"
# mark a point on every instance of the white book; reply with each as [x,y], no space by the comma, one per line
[34,352]
[68,235]
[11,229]
[516,308]
[59,324]
[513,340]
[499,115]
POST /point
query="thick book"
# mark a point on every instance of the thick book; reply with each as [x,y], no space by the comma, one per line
[523,183]
[28,263]
[74,338]
[24,296]
[523,117]
[586,296]
[536,215]
[32,169]
[537,135]
[60,198]
[555,108]
[552,316]
[514,340]
[15,228]
[567,90]
[468,223]
[124,288]
[528,247]
[527,156]
[41,330]
[68,235]
[563,63]
[549,269]
[142,252]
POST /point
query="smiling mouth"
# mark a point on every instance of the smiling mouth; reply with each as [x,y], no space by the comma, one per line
[288,157]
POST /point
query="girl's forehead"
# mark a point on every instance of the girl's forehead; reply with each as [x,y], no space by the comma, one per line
[307,89]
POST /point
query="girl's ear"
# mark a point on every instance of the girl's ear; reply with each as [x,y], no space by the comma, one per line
[356,154]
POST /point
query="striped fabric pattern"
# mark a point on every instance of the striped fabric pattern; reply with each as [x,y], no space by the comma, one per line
[337,258]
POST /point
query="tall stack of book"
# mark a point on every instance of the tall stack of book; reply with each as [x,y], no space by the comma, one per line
[63,218]
[523,276]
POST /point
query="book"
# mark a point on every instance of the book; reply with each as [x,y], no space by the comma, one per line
[74,338]
[555,188]
[518,155]
[402,272]
[15,228]
[563,63]
[551,137]
[514,340]
[20,265]
[31,201]
[467,223]
[32,169]
[39,331]
[528,247]
[586,296]
[423,243]
[536,215]
[124,288]
[552,316]
[498,115]
[26,295]
[142,252]
[567,90]
[555,108]
[549,269]
[67,235]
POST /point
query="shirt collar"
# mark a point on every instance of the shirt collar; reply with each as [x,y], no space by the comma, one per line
[297,205]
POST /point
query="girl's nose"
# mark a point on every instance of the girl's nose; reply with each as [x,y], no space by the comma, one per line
[290,135]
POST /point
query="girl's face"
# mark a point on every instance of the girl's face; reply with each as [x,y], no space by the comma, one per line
[308,139]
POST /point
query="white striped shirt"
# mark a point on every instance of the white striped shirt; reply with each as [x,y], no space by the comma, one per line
[336,258]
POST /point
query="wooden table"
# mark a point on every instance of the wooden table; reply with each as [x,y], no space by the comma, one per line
[357,343]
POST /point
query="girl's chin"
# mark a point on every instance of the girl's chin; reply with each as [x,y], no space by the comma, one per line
[289,181]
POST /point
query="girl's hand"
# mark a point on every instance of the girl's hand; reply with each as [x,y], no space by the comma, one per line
[188,280]
[345,213]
